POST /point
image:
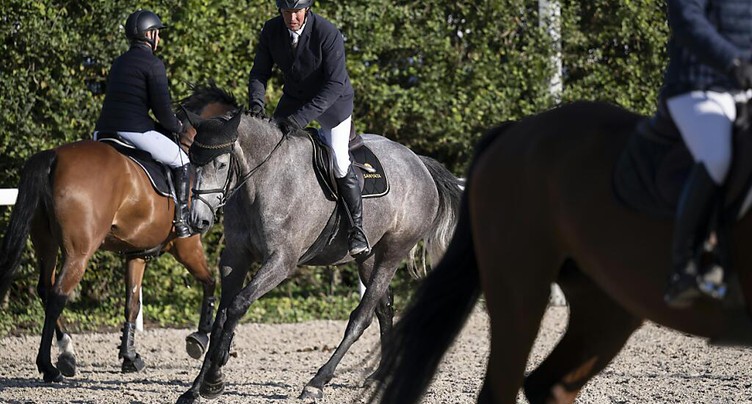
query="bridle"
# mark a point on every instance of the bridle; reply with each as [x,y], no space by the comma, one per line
[225,191]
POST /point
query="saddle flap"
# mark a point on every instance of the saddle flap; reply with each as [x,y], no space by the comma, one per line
[371,176]
[654,166]
[155,171]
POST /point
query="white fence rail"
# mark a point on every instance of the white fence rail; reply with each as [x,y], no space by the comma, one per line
[8,196]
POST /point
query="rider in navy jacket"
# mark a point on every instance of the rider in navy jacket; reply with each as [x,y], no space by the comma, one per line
[137,83]
[316,83]
[710,50]
[310,52]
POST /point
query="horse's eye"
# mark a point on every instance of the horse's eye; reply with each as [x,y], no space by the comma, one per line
[222,166]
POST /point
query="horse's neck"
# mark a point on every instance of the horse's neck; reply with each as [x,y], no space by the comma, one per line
[263,148]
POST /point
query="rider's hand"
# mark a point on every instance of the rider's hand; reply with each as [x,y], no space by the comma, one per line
[288,125]
[257,111]
[741,70]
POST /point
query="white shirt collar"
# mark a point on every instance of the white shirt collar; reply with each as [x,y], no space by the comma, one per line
[300,31]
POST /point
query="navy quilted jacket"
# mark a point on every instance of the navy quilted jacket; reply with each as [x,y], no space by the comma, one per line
[137,83]
[706,36]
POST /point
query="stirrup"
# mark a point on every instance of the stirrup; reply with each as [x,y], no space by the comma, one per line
[182,230]
[358,243]
[711,283]
[682,290]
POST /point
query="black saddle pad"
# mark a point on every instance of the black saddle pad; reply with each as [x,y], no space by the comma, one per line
[156,171]
[655,163]
[370,172]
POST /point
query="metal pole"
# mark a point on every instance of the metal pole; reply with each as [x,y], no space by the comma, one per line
[549,17]
[549,14]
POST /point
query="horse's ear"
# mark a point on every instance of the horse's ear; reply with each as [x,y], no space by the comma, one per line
[235,120]
[193,119]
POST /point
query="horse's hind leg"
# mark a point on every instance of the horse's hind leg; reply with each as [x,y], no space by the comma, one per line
[56,297]
[46,248]
[385,315]
[190,253]
[134,275]
[377,284]
[598,329]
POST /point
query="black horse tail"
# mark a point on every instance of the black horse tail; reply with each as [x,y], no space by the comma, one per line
[434,317]
[34,187]
[449,188]
[436,313]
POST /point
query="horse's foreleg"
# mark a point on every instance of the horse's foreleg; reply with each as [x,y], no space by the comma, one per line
[134,275]
[234,266]
[190,253]
[271,274]
[360,318]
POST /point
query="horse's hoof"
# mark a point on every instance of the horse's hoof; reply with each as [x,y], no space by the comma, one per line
[133,365]
[66,364]
[189,397]
[195,344]
[373,380]
[53,376]
[311,393]
[211,389]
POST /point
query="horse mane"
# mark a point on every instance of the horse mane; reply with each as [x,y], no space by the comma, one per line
[203,95]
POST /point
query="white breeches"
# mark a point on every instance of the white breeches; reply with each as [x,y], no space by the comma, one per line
[158,145]
[705,120]
[338,138]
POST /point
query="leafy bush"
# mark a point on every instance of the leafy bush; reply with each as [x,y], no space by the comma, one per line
[433,76]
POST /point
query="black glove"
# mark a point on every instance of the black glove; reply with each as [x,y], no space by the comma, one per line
[741,70]
[288,125]
[257,111]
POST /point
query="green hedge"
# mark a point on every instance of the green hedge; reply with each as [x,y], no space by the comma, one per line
[433,76]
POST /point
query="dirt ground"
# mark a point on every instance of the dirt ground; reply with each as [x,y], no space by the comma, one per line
[274,362]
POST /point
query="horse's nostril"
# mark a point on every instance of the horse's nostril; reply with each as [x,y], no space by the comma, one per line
[205,224]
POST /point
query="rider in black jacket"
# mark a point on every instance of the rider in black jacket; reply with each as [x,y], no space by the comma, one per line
[137,83]
[310,52]
[710,50]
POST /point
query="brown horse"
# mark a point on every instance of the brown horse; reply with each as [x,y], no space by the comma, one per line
[82,197]
[540,207]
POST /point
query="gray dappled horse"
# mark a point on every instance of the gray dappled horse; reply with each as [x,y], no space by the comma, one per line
[274,210]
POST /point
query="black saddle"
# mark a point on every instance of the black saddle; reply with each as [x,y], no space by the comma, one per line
[373,181]
[156,171]
[655,163]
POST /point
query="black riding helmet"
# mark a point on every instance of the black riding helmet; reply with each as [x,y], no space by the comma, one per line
[294,4]
[139,22]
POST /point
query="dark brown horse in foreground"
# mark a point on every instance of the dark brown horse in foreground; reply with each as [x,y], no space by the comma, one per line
[539,208]
[82,197]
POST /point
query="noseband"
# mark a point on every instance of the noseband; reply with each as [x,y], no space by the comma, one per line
[225,192]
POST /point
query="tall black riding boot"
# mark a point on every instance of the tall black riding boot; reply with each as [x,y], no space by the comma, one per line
[690,230]
[349,191]
[181,176]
